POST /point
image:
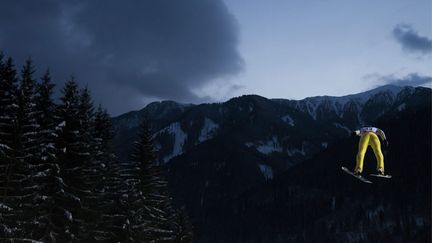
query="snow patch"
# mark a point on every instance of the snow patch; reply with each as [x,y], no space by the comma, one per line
[5,147]
[208,130]
[270,146]
[324,144]
[41,174]
[267,171]
[179,139]
[69,215]
[249,144]
[5,207]
[293,151]
[288,119]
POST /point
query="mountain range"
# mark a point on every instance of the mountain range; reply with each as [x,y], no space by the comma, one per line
[254,169]
[285,131]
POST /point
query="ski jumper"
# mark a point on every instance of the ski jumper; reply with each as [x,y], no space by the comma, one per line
[369,137]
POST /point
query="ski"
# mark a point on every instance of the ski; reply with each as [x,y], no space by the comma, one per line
[382,176]
[358,177]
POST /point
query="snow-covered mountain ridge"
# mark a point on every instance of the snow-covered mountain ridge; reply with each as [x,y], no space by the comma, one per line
[220,156]
[269,126]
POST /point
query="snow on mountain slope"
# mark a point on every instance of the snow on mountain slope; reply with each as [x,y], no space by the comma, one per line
[208,130]
[338,105]
[267,171]
[270,146]
[288,119]
[179,135]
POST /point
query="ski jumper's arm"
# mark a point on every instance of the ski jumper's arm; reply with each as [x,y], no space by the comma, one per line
[381,134]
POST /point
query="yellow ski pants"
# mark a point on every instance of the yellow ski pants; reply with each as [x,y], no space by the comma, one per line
[369,139]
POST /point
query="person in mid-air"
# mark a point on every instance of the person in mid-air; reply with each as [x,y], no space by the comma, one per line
[369,137]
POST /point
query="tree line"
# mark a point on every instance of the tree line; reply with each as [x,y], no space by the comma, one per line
[59,178]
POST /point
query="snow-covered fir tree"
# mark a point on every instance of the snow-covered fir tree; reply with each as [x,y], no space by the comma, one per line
[108,185]
[182,226]
[69,158]
[22,192]
[25,187]
[27,115]
[17,184]
[52,218]
[92,173]
[82,172]
[8,107]
[8,130]
[147,203]
[45,118]
[85,115]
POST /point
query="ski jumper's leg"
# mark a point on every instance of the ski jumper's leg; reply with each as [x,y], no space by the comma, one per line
[376,146]
[362,147]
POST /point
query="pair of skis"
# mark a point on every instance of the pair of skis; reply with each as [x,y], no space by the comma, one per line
[363,179]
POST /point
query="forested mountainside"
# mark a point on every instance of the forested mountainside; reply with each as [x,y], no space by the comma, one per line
[314,201]
[259,170]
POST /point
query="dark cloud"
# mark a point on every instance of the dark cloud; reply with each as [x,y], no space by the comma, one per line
[411,41]
[126,51]
[412,79]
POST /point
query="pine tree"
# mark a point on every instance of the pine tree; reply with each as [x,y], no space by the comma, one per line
[8,104]
[92,172]
[85,115]
[68,156]
[52,219]
[13,181]
[8,115]
[45,118]
[25,188]
[103,133]
[26,115]
[150,215]
[68,129]
[183,227]
[108,185]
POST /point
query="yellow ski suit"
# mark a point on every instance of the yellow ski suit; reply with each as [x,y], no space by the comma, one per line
[368,137]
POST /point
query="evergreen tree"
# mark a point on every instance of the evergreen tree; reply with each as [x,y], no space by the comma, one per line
[75,153]
[23,185]
[183,227]
[92,172]
[27,116]
[51,200]
[108,184]
[68,129]
[103,133]
[13,181]
[85,115]
[150,216]
[8,103]
[45,118]
[8,113]
[68,156]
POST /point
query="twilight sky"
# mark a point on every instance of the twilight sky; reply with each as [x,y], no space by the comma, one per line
[133,52]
